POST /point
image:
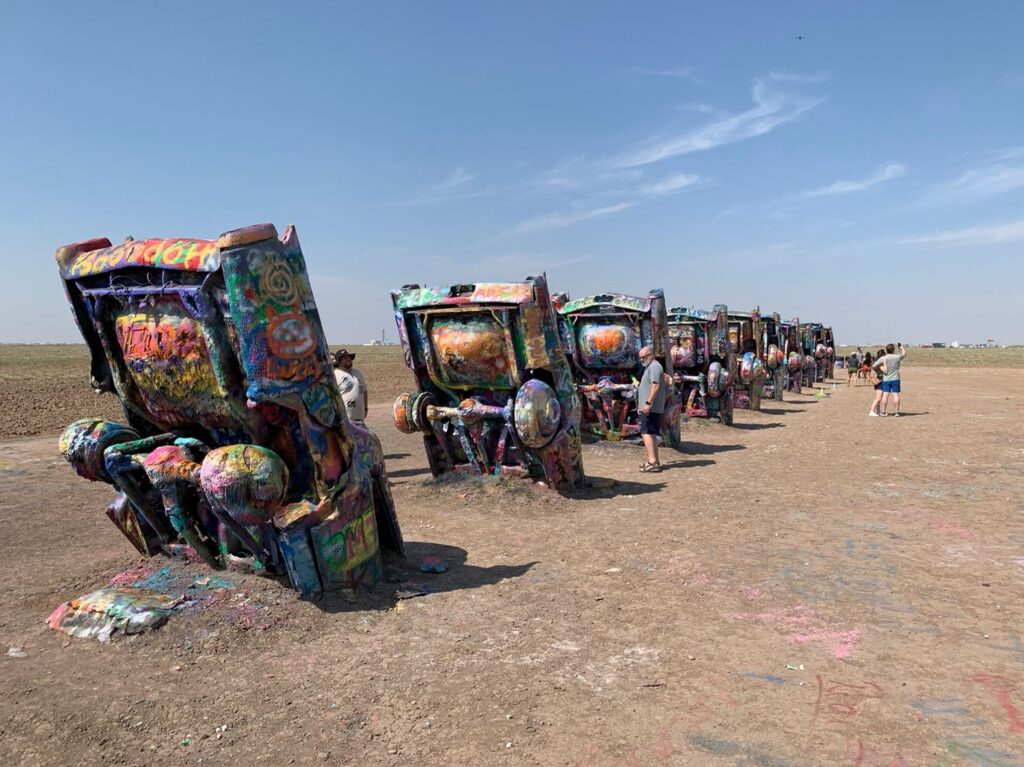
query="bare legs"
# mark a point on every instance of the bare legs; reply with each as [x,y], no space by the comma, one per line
[651,447]
[878,399]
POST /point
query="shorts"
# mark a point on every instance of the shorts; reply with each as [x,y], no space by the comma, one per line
[650,423]
[851,370]
[893,387]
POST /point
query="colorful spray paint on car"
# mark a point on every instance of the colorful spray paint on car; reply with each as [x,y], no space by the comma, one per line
[793,349]
[746,337]
[773,346]
[703,360]
[495,394]
[808,369]
[819,345]
[235,444]
[602,335]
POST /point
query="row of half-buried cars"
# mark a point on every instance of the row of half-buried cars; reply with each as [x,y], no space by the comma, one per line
[235,446]
[509,378]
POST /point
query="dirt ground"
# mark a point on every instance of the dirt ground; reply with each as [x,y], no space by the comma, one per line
[811,587]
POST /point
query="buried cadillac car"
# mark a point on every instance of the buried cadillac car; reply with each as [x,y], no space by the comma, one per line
[494,393]
[789,334]
[703,359]
[235,443]
[773,353]
[820,346]
[746,340]
[603,335]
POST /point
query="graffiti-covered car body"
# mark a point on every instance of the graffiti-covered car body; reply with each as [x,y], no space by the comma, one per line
[828,340]
[703,361]
[819,345]
[235,443]
[602,335]
[794,355]
[809,367]
[773,346]
[745,338]
[495,393]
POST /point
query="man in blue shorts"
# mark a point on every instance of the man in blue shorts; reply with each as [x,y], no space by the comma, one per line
[891,377]
[650,401]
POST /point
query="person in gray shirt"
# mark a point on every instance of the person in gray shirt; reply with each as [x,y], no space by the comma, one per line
[890,378]
[650,402]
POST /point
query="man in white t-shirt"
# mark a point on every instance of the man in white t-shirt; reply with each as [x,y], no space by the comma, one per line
[352,387]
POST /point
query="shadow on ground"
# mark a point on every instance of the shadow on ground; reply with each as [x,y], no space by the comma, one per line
[603,487]
[703,448]
[404,580]
[665,466]
[409,472]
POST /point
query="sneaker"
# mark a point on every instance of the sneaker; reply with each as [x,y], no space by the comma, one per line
[874,412]
[895,415]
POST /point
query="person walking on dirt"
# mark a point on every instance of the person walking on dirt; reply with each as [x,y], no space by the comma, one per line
[891,376]
[650,401]
[852,368]
[352,386]
[865,368]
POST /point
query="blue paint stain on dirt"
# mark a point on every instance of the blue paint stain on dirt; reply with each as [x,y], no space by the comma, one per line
[766,677]
[745,754]
[170,580]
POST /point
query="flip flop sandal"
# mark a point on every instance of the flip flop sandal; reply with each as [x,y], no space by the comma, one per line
[651,468]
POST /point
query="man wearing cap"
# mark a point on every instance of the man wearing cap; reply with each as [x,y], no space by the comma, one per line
[352,387]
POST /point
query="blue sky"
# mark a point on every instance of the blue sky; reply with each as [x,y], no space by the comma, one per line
[869,175]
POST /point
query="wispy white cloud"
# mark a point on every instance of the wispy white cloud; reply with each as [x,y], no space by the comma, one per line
[973,236]
[456,186]
[459,178]
[686,73]
[577,177]
[774,105]
[885,173]
[545,261]
[593,204]
[704,109]
[567,218]
[999,173]
[670,184]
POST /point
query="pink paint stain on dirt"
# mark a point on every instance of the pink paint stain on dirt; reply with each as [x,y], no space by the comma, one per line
[948,528]
[928,517]
[842,643]
[129,577]
[856,752]
[1003,688]
[805,625]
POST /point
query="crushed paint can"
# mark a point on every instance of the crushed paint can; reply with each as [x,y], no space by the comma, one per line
[102,613]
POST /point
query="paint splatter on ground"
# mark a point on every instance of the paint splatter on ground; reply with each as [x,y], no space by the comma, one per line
[145,597]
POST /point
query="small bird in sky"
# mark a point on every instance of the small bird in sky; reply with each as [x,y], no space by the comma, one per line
[799,37]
